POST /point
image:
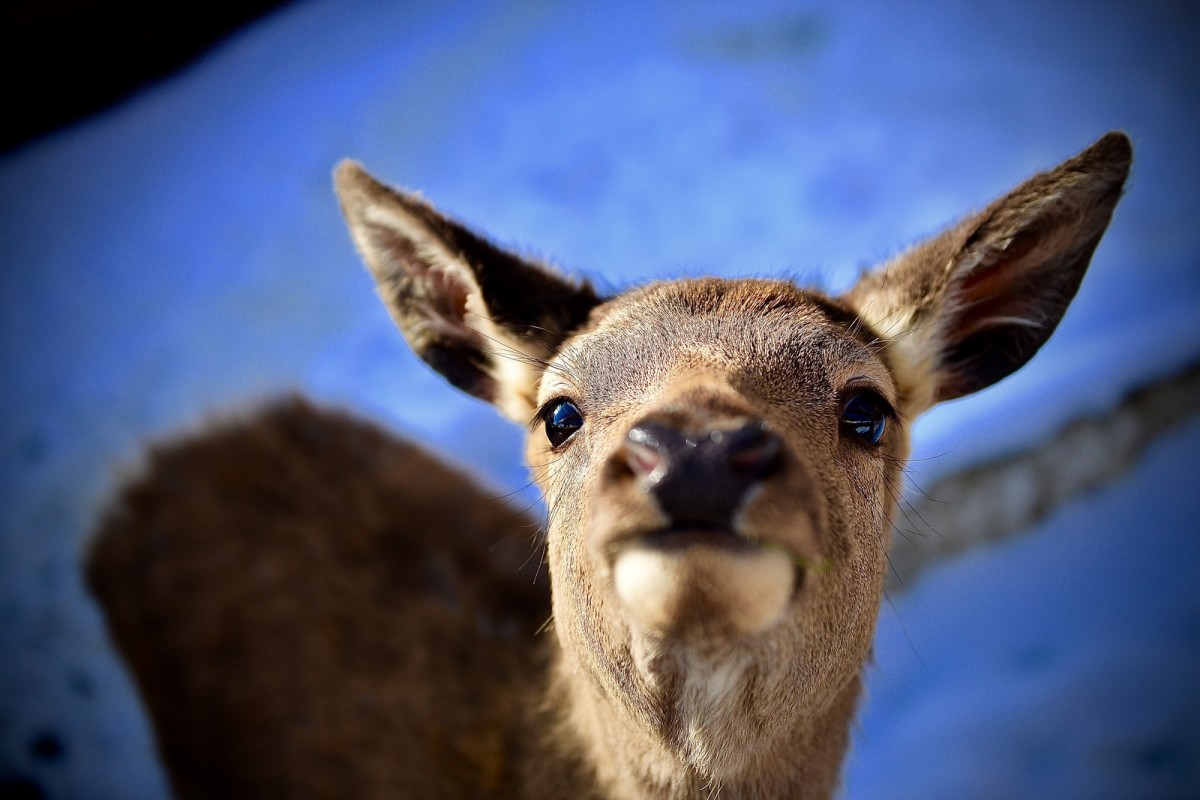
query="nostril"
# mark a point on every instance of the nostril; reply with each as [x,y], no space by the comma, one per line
[753,449]
[645,461]
[648,451]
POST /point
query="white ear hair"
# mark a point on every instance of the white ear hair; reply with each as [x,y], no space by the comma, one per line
[484,318]
[966,308]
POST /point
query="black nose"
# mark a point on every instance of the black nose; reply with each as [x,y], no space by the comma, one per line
[699,478]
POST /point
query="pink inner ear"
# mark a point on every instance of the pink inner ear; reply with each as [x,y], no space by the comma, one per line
[445,307]
[1000,290]
[447,295]
[444,294]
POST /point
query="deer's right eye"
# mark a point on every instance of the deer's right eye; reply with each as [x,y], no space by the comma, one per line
[562,420]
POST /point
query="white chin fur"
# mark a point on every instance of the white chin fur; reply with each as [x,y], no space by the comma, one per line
[663,590]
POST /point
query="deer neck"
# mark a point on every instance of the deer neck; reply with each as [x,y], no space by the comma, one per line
[632,756]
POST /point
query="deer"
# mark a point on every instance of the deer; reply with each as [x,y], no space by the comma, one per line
[313,607]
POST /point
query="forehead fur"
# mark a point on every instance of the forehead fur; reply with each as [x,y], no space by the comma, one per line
[761,328]
[723,297]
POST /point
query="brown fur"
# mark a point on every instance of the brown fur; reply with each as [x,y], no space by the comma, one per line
[314,609]
[278,605]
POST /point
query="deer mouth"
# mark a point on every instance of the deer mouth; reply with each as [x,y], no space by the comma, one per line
[683,578]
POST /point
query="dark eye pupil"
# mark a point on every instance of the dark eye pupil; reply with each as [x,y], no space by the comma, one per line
[863,416]
[562,420]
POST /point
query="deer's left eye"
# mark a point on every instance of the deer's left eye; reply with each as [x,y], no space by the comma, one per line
[562,419]
[865,416]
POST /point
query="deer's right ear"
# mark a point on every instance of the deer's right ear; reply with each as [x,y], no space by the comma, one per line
[484,318]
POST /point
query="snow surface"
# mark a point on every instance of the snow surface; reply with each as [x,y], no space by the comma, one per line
[183,253]
[1062,664]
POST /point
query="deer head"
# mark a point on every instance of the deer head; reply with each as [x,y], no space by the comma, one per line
[720,459]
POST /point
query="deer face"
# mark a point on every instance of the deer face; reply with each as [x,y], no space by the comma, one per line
[720,458]
[722,505]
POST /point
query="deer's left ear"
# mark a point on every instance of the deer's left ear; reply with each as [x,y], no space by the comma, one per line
[966,308]
[484,318]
